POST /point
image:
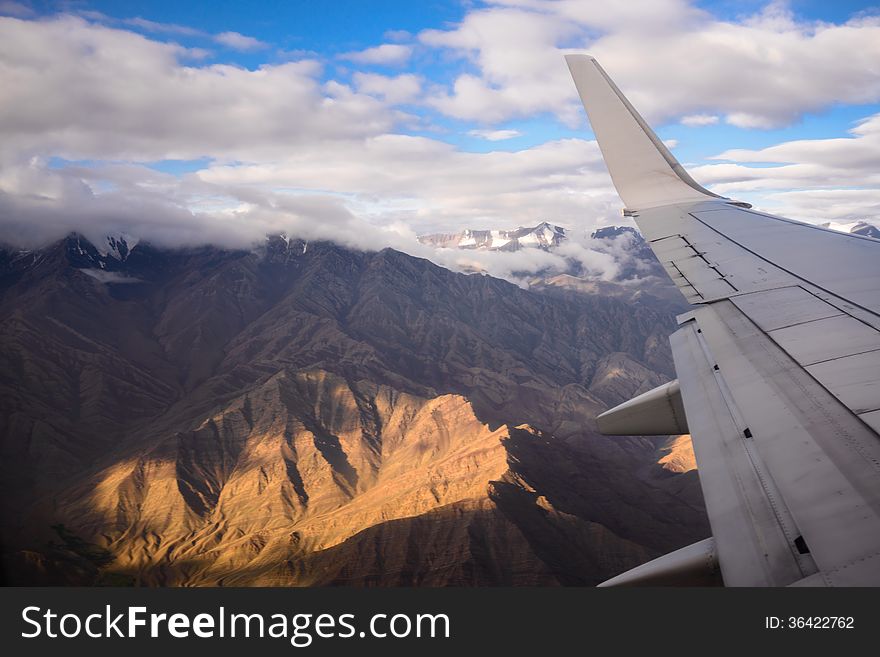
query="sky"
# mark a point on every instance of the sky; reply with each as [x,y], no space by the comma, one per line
[368,124]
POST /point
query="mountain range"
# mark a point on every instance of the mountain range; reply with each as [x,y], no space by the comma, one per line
[624,243]
[635,273]
[304,414]
[544,235]
[865,229]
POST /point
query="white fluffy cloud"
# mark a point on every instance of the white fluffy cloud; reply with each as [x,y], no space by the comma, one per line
[494,135]
[381,192]
[431,185]
[809,179]
[172,211]
[699,119]
[395,90]
[388,54]
[859,152]
[80,90]
[289,147]
[240,42]
[670,57]
[519,63]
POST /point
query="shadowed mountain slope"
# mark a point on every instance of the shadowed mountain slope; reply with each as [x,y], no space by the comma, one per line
[305,414]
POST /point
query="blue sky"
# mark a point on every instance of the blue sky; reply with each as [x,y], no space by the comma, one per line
[394,118]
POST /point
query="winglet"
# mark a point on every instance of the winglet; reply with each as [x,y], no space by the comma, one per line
[644,172]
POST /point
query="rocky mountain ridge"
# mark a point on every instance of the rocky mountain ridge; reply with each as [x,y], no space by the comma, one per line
[305,414]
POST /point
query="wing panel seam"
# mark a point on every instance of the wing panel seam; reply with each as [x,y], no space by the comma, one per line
[781,268]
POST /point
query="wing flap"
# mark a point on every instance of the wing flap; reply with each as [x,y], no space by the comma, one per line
[822,460]
[753,531]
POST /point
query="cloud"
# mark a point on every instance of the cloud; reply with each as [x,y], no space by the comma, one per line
[432,186]
[232,40]
[39,205]
[239,42]
[162,28]
[368,194]
[751,120]
[699,119]
[521,266]
[388,54]
[166,211]
[820,205]
[860,151]
[520,66]
[10,8]
[289,147]
[285,151]
[109,276]
[397,36]
[495,135]
[671,58]
[79,90]
[394,90]
[804,174]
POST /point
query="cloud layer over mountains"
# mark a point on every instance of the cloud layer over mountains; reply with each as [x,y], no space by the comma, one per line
[356,148]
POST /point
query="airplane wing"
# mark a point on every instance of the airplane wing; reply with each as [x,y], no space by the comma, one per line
[778,370]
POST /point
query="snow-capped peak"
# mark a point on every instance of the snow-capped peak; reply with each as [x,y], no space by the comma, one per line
[866,230]
[542,236]
[117,246]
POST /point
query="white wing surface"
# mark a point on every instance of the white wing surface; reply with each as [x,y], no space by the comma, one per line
[778,370]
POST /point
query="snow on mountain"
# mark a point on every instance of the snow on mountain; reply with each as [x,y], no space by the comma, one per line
[117,246]
[631,256]
[855,227]
[106,254]
[543,236]
[866,229]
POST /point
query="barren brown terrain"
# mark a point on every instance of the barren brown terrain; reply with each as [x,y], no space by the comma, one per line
[308,415]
